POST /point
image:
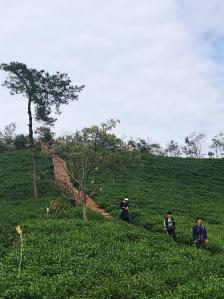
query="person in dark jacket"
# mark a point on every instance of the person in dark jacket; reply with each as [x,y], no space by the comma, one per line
[170,225]
[124,215]
[199,233]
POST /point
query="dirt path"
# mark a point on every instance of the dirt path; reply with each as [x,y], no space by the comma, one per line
[62,178]
[93,206]
[63,182]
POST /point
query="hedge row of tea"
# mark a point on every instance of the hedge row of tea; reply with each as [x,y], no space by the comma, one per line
[15,185]
[65,257]
[190,188]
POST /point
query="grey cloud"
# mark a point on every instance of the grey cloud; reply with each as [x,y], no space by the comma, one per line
[147,63]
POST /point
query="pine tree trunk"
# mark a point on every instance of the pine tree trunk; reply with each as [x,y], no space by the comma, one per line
[84,209]
[32,145]
[35,192]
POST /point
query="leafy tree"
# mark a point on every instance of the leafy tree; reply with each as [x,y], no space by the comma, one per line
[218,144]
[211,154]
[7,137]
[143,146]
[3,147]
[9,134]
[21,141]
[193,145]
[44,135]
[173,149]
[84,152]
[156,149]
[131,145]
[42,91]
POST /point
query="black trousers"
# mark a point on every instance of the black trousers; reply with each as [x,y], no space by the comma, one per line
[124,215]
[172,233]
[200,244]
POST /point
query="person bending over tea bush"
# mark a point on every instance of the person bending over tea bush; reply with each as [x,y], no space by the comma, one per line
[199,233]
[170,225]
[124,215]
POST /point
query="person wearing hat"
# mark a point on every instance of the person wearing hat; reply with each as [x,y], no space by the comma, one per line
[124,215]
[170,225]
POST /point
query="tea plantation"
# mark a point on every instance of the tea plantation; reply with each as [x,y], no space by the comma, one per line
[65,257]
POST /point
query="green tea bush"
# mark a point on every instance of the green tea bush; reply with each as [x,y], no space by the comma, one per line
[65,257]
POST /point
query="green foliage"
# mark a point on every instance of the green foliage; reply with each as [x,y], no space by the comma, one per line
[57,206]
[20,141]
[8,135]
[7,138]
[10,141]
[192,147]
[16,191]
[217,145]
[44,135]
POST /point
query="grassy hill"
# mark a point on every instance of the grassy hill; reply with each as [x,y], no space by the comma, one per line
[190,188]
[65,257]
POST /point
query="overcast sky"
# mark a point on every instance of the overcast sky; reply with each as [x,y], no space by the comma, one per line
[156,65]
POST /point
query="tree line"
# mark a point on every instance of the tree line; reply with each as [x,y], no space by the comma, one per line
[10,140]
[192,146]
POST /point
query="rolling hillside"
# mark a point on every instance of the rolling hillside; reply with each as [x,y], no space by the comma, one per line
[191,188]
[65,257]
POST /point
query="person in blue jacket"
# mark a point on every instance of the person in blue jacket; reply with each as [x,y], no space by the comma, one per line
[199,233]
[124,215]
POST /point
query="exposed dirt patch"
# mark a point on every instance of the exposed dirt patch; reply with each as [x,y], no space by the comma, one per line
[62,178]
